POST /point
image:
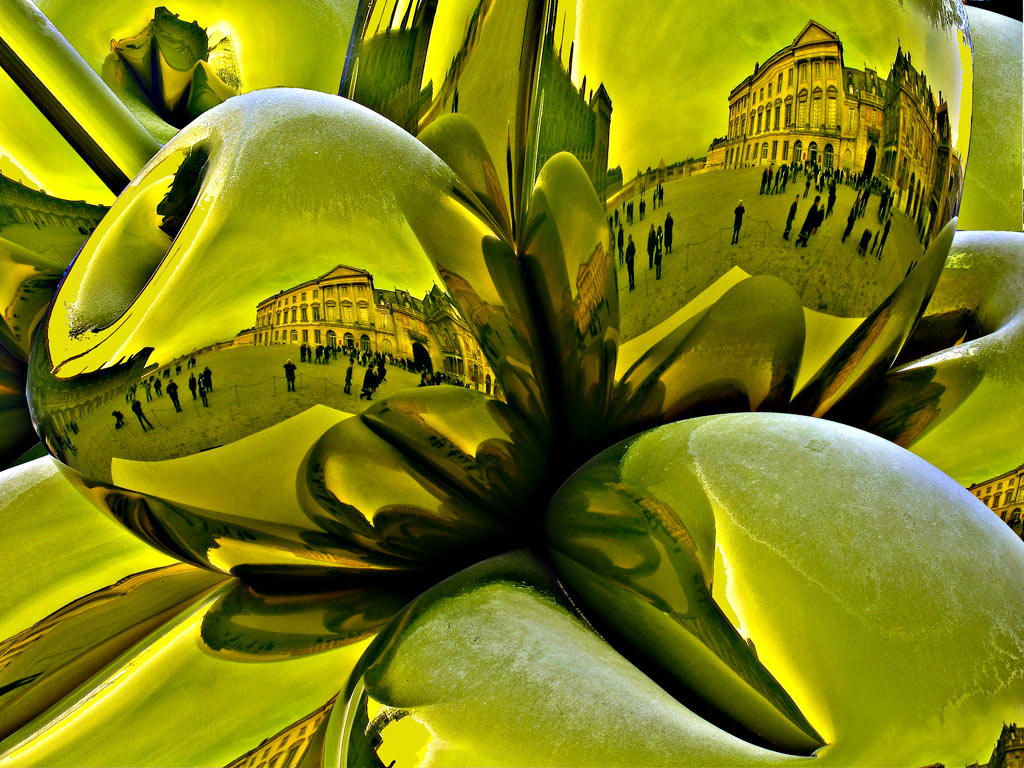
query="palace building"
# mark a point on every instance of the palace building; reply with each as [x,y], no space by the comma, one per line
[343,308]
[1004,495]
[803,104]
[23,205]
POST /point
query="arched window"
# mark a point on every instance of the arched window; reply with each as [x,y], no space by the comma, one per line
[812,152]
[350,341]
[798,151]
[828,156]
[364,343]
[385,347]
[847,160]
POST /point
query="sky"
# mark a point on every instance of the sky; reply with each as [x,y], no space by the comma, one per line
[668,67]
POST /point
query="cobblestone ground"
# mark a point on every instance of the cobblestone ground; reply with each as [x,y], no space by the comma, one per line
[249,394]
[828,274]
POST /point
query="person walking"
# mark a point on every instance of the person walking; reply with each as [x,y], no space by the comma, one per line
[137,410]
[289,375]
[669,223]
[208,378]
[657,257]
[202,392]
[172,392]
[158,388]
[620,239]
[850,221]
[810,222]
[348,379]
[369,384]
[885,234]
[652,243]
[630,261]
[192,385]
[737,222]
[790,217]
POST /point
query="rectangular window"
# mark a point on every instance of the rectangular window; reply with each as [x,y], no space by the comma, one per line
[302,311]
[316,293]
[803,73]
[769,90]
[279,317]
[316,313]
[303,295]
[293,298]
[775,149]
[277,335]
[759,116]
[831,114]
[760,95]
[305,335]
[831,68]
[316,337]
[764,151]
[748,152]
[294,316]
[789,114]
[778,111]
[778,85]
[789,80]
[344,290]
[785,150]
[817,70]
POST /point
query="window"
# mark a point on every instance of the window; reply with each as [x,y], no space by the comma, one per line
[789,80]
[995,499]
[303,295]
[759,116]
[816,111]
[748,152]
[831,67]
[831,113]
[769,90]
[295,335]
[364,314]
[302,312]
[293,298]
[346,312]
[785,150]
[801,109]
[817,70]
[277,335]
[1011,481]
[360,290]
[778,85]
[764,151]
[279,317]
[305,335]
[803,73]
[778,112]
[332,312]
[344,290]
[789,113]
[760,95]
[364,343]
[295,316]
[849,120]
[999,486]
[316,313]
[315,293]
[775,149]
[316,337]
[383,321]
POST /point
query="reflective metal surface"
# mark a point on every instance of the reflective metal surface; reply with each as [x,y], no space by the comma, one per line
[166,370]
[760,567]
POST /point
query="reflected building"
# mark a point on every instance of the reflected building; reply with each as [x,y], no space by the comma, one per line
[288,747]
[397,57]
[1004,495]
[23,205]
[343,308]
[804,105]
[570,119]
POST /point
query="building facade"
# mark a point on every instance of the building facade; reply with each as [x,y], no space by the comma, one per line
[343,308]
[805,105]
[23,205]
[1004,495]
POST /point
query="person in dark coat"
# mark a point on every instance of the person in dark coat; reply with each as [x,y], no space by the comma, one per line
[790,217]
[630,260]
[158,388]
[669,223]
[850,221]
[172,392]
[369,384]
[192,385]
[202,392]
[208,378]
[652,243]
[885,234]
[737,222]
[348,379]
[289,375]
[118,419]
[621,238]
[810,222]
[657,257]
[865,241]
[137,410]
[764,180]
